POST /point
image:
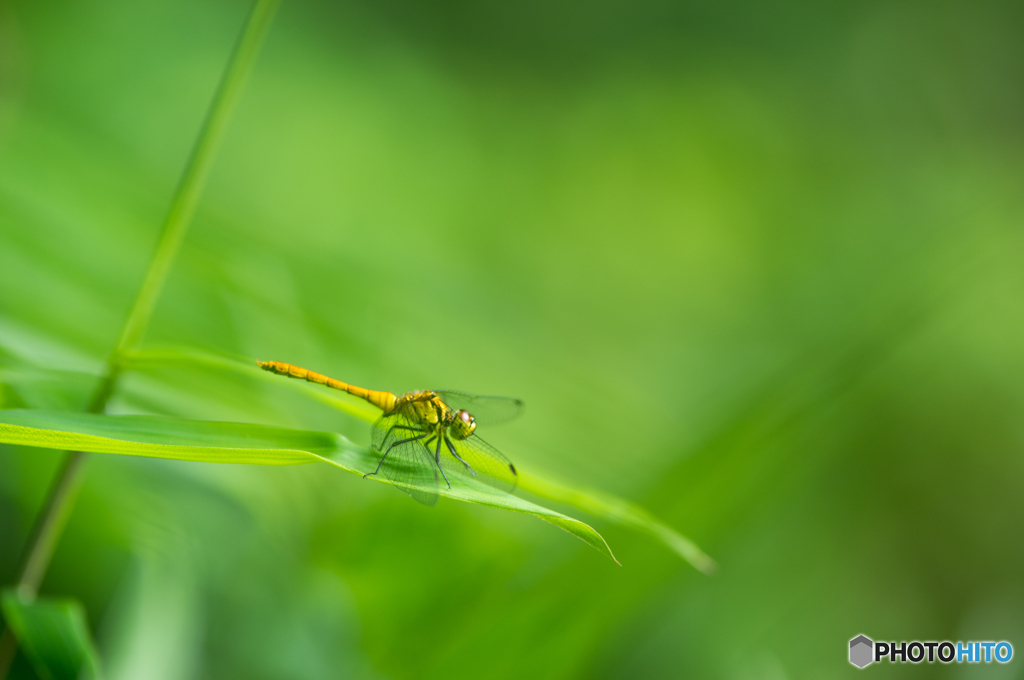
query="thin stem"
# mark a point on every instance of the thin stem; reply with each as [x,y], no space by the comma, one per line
[60,500]
[52,519]
[198,169]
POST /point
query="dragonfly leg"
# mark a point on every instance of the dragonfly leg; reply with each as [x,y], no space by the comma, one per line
[437,459]
[451,447]
[385,456]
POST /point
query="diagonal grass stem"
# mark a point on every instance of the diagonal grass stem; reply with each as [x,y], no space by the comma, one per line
[60,499]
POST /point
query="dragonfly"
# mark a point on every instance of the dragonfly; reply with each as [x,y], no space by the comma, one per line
[422,437]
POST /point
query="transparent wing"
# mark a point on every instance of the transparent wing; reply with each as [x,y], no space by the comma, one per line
[487,410]
[473,457]
[392,427]
[405,459]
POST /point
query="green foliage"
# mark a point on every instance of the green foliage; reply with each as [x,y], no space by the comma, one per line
[752,266]
[53,634]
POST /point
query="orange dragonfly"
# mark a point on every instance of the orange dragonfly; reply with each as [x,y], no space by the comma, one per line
[426,432]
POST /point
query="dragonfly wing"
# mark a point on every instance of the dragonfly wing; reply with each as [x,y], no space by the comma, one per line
[475,458]
[404,458]
[412,469]
[390,428]
[487,410]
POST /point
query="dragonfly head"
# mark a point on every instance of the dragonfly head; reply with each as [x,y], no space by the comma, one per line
[462,425]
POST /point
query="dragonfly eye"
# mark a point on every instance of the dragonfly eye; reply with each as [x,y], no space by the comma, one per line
[463,425]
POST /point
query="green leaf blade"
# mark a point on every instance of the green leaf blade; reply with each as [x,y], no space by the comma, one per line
[53,635]
[621,512]
[597,503]
[243,443]
[121,442]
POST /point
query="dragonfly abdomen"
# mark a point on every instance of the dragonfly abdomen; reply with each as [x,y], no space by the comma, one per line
[382,400]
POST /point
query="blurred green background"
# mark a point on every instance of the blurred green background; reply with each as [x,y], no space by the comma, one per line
[755,266]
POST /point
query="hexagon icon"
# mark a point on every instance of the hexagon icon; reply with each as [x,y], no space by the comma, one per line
[861,648]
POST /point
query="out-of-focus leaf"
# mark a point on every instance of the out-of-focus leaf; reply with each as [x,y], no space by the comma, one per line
[620,511]
[597,503]
[241,443]
[54,636]
[48,389]
[186,355]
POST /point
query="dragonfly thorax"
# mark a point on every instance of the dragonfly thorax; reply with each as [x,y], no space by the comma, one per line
[424,408]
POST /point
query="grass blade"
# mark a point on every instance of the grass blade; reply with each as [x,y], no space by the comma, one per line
[593,502]
[53,634]
[620,511]
[242,443]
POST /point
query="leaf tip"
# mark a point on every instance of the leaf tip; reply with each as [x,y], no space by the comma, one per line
[707,566]
[609,549]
